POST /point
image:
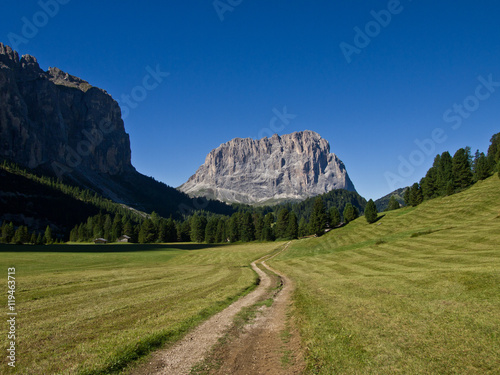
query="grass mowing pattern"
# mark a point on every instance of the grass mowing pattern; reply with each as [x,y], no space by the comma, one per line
[378,299]
[82,311]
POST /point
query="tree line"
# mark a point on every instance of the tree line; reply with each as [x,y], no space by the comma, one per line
[449,175]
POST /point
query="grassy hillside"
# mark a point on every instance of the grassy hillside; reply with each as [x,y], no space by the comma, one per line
[417,292]
[88,309]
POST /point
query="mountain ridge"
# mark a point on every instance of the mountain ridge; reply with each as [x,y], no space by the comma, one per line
[278,168]
[61,126]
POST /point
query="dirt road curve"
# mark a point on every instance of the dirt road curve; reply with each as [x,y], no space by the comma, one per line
[258,348]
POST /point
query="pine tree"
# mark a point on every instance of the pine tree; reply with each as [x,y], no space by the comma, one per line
[39,239]
[8,232]
[117,228]
[334,217]
[282,223]
[33,238]
[481,168]
[183,231]
[350,213]
[444,173]
[258,221]
[233,230]
[147,232]
[393,204]
[247,229]
[293,227]
[198,225]
[371,213]
[494,152]
[220,235]
[461,169]
[267,230]
[406,196]
[211,230]
[47,238]
[318,219]
[429,184]
[303,227]
[416,196]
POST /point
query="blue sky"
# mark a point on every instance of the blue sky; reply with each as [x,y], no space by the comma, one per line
[421,69]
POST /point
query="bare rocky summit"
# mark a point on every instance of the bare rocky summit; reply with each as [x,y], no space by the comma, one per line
[289,167]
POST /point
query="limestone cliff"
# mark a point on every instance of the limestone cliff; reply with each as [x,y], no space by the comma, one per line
[289,167]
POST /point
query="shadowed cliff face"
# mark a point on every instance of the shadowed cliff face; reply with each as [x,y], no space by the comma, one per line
[294,166]
[58,122]
[63,127]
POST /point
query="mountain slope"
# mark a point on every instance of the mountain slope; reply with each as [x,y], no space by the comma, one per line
[288,167]
[417,292]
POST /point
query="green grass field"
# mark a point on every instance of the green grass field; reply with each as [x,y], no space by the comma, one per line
[417,292]
[91,309]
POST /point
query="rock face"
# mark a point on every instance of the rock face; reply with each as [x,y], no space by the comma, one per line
[63,127]
[59,122]
[291,167]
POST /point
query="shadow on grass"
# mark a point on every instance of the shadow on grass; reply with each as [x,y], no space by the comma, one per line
[109,248]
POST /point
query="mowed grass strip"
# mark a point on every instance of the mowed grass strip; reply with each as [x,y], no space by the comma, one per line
[82,311]
[375,299]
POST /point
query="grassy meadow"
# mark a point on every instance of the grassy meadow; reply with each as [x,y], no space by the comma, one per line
[91,309]
[417,292]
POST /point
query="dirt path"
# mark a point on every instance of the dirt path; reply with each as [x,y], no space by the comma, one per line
[259,347]
[270,345]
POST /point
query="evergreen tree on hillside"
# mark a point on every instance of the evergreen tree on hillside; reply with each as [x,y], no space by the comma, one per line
[211,230]
[406,196]
[258,222]
[247,228]
[233,231]
[481,168]
[293,227]
[444,173]
[461,169]
[429,184]
[267,230]
[8,232]
[318,220]
[303,227]
[282,223]
[494,152]
[147,232]
[47,238]
[393,204]
[198,225]
[416,196]
[371,213]
[117,227]
[183,231]
[334,217]
[220,235]
[350,213]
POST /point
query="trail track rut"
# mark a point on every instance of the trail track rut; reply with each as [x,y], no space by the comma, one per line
[259,349]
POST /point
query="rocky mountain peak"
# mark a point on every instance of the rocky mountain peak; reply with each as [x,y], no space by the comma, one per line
[55,121]
[288,167]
